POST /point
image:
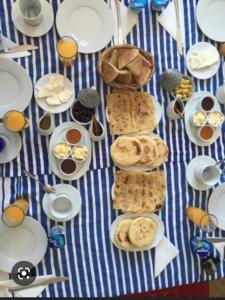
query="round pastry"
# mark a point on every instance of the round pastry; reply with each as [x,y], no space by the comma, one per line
[150,151]
[126,151]
[162,152]
[121,235]
[142,231]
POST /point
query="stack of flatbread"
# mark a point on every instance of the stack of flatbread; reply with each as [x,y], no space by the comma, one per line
[139,191]
[139,151]
[130,112]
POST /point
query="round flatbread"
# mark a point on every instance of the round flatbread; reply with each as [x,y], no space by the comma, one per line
[150,151]
[126,151]
[121,235]
[163,152]
[142,231]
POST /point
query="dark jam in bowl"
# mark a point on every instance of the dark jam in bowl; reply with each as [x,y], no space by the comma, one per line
[81,113]
[207,103]
[68,166]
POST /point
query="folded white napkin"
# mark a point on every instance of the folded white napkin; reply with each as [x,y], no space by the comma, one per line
[220,248]
[169,22]
[165,252]
[7,43]
[128,17]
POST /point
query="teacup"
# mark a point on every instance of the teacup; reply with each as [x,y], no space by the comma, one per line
[31,11]
[207,174]
[60,205]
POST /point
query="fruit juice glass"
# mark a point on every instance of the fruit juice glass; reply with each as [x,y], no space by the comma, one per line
[207,222]
[15,121]
[67,49]
[15,213]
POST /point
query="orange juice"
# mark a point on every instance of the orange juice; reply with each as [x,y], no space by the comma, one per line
[197,216]
[22,204]
[67,50]
[14,214]
[14,121]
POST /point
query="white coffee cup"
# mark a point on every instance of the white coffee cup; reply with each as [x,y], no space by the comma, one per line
[31,11]
[208,174]
[60,205]
[171,109]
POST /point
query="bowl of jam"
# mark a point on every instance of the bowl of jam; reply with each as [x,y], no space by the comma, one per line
[81,114]
[68,167]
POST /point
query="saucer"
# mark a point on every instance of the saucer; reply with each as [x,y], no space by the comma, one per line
[13,147]
[71,192]
[192,180]
[34,31]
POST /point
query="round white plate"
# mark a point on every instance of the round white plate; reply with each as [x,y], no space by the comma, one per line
[194,182]
[13,145]
[158,237]
[34,31]
[18,97]
[56,109]
[216,205]
[204,73]
[72,193]
[210,18]
[90,22]
[27,242]
[158,111]
[59,136]
[190,107]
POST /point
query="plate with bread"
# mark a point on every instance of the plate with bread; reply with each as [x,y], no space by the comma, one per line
[128,112]
[137,232]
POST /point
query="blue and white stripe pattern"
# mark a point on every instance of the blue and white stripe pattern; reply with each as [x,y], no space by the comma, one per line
[95,267]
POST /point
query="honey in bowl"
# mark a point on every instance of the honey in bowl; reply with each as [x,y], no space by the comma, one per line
[206,133]
[14,121]
[73,136]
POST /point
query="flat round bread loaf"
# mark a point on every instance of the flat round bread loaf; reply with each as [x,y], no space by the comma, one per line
[150,151]
[126,151]
[121,235]
[142,231]
[162,152]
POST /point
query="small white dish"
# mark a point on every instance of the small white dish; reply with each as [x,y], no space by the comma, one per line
[13,145]
[216,205]
[47,131]
[185,76]
[72,161]
[63,144]
[73,156]
[38,30]
[159,234]
[75,120]
[42,101]
[204,73]
[74,196]
[94,137]
[193,181]
[69,142]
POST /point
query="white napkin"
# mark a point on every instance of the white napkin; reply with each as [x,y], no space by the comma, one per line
[4,293]
[128,17]
[165,252]
[7,43]
[169,22]
[220,248]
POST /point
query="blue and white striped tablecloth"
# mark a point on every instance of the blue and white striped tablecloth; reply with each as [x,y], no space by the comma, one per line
[95,267]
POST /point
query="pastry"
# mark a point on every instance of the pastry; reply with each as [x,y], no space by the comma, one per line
[124,76]
[126,56]
[150,151]
[121,235]
[110,72]
[136,65]
[162,152]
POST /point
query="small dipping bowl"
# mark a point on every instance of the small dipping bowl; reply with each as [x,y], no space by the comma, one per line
[68,167]
[185,77]
[80,153]
[81,114]
[215,119]
[73,136]
[62,150]
[199,118]
[207,104]
[205,133]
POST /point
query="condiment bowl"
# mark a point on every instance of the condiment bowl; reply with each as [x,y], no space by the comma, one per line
[184,76]
[213,124]
[74,119]
[200,133]
[71,161]
[62,157]
[94,137]
[69,141]
[201,106]
[194,123]
[79,161]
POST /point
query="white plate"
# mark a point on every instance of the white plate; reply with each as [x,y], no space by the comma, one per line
[191,179]
[90,22]
[191,130]
[56,109]
[59,136]
[18,97]
[27,242]
[13,145]
[207,72]
[158,237]
[34,31]
[72,193]
[211,20]
[216,205]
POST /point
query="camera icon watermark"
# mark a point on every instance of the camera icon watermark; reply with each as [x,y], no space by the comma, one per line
[23,273]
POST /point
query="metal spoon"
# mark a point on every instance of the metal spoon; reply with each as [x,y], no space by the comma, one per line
[46,187]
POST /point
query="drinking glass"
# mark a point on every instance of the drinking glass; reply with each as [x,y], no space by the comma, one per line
[67,49]
[15,121]
[208,223]
[14,214]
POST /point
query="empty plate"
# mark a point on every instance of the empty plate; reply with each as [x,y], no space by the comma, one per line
[216,205]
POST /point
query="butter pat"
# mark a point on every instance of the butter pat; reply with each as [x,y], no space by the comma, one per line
[202,59]
[199,118]
[62,150]
[80,152]
[215,118]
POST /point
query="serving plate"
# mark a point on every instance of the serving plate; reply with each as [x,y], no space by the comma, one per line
[191,130]
[216,205]
[159,235]
[59,136]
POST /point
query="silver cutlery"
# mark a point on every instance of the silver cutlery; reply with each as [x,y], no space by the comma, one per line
[179,33]
[215,240]
[47,188]
[19,48]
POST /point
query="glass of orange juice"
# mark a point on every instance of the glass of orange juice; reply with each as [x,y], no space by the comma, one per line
[207,222]
[15,213]
[67,49]
[15,121]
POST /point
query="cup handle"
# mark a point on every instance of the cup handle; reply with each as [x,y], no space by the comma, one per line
[27,124]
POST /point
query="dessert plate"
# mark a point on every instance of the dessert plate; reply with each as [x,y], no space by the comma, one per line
[203,73]
[216,205]
[210,18]
[159,235]
[90,22]
[190,107]
[18,97]
[59,136]
[72,193]
[31,247]
[13,145]
[42,101]
[34,31]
